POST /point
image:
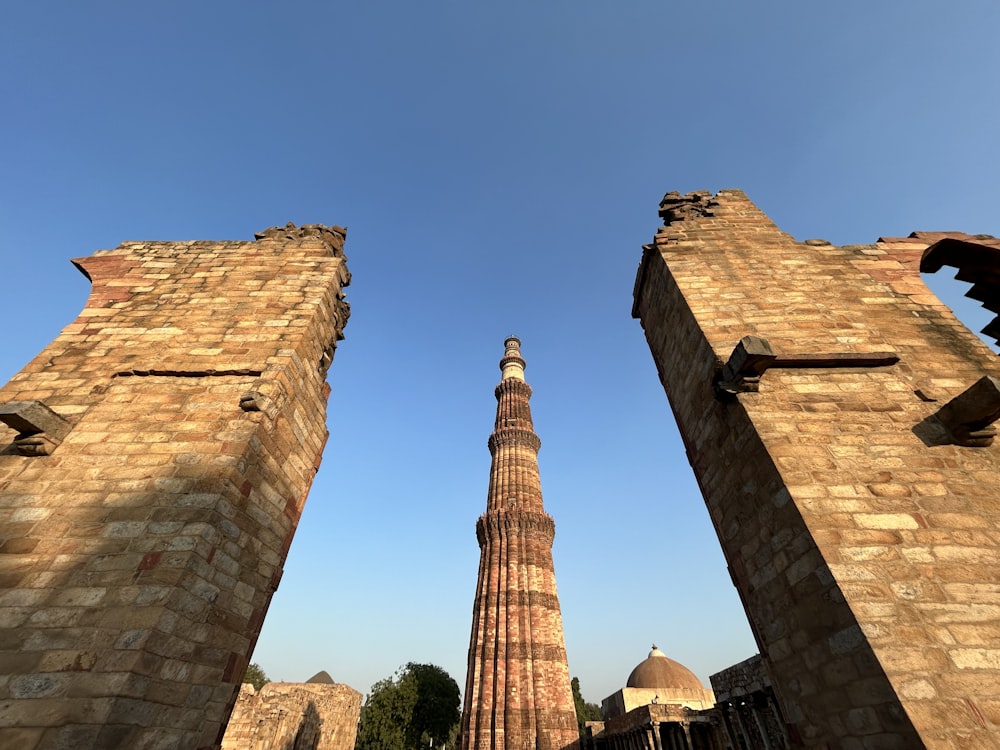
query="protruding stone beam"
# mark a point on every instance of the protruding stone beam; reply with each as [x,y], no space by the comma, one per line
[265,395]
[978,262]
[741,374]
[753,356]
[970,415]
[40,430]
[962,254]
[836,359]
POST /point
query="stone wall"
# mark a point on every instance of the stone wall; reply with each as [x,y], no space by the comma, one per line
[740,680]
[626,699]
[855,505]
[747,706]
[154,464]
[294,716]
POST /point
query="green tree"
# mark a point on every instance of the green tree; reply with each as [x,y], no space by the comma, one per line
[584,711]
[386,715]
[256,676]
[437,708]
[420,703]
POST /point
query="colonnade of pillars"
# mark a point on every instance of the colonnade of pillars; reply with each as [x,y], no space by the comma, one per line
[667,736]
[755,723]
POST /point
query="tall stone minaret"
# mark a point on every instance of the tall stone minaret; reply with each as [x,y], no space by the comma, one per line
[517,692]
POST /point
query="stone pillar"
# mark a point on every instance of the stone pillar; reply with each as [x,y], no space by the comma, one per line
[726,724]
[657,740]
[717,736]
[776,719]
[686,735]
[518,692]
[745,734]
[765,735]
[158,458]
[838,419]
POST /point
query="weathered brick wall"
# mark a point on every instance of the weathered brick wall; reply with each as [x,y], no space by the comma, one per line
[299,716]
[863,548]
[137,558]
[742,679]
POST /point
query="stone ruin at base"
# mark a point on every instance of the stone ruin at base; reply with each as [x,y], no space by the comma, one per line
[317,714]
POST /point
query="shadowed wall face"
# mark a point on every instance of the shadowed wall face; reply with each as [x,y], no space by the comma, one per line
[159,455]
[858,522]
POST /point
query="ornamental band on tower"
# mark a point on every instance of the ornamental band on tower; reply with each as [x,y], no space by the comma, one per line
[517,692]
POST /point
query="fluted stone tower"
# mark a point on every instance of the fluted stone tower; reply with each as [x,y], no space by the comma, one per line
[517,692]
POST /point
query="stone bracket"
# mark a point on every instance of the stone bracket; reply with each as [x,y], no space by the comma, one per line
[266,395]
[741,374]
[40,430]
[970,415]
[754,355]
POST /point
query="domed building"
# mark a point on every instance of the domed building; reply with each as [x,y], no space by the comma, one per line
[663,706]
[658,679]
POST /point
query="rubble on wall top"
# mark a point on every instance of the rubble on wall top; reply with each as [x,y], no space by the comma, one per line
[333,236]
[676,206]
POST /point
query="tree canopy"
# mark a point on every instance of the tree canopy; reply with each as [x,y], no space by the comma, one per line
[255,676]
[584,711]
[418,704]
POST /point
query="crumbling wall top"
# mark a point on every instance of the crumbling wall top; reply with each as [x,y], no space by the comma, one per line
[677,206]
[333,236]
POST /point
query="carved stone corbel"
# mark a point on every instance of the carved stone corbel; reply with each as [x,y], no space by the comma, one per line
[40,430]
[969,416]
[741,374]
[265,395]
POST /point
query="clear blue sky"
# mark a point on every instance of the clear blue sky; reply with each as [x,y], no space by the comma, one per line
[499,166]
